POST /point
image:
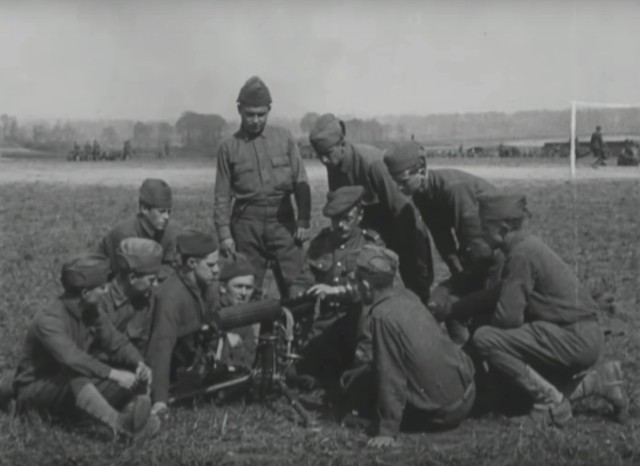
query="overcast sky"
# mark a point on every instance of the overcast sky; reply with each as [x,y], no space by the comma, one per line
[154,59]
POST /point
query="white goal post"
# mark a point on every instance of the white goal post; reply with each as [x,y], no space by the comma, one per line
[574,106]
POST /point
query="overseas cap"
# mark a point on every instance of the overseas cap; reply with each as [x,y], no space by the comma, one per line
[193,243]
[156,193]
[342,200]
[86,270]
[502,206]
[254,93]
[239,266]
[326,133]
[377,262]
[403,157]
[139,255]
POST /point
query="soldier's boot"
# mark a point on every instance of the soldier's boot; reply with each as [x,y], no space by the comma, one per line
[605,381]
[7,394]
[550,406]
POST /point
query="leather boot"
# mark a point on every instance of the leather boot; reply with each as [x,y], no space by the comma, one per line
[605,382]
[550,406]
[7,394]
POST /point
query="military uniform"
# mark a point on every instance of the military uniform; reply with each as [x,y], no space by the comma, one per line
[332,339]
[260,173]
[419,376]
[596,145]
[387,210]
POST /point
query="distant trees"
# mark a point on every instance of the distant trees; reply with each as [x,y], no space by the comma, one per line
[308,120]
[200,131]
[109,137]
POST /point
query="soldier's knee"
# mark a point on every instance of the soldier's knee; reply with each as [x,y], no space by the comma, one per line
[485,340]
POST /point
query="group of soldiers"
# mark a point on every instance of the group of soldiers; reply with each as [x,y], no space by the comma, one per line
[95,153]
[511,318]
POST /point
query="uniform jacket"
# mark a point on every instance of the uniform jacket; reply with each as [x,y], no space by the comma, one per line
[414,361]
[263,168]
[537,285]
[448,204]
[60,338]
[180,310]
[138,227]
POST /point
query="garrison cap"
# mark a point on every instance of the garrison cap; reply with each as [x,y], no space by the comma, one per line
[342,200]
[86,270]
[192,243]
[326,133]
[156,193]
[403,157]
[254,93]
[238,266]
[502,206]
[139,255]
[377,262]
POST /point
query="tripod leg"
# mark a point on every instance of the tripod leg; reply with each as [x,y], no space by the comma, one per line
[307,420]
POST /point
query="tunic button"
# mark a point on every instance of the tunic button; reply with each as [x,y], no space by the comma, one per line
[342,246]
[336,280]
[339,264]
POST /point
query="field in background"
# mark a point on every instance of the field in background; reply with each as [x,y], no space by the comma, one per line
[51,210]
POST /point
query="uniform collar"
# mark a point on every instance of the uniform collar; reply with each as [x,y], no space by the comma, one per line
[73,305]
[117,295]
[146,227]
[346,164]
[515,239]
[385,295]
[353,238]
[190,285]
[244,136]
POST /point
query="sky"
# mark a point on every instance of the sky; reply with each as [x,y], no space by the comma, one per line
[152,60]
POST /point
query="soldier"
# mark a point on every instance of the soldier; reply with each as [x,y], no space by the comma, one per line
[386,211]
[543,332]
[237,283]
[87,151]
[182,307]
[448,203]
[328,273]
[95,150]
[129,299]
[259,168]
[597,148]
[151,222]
[57,375]
[126,150]
[419,377]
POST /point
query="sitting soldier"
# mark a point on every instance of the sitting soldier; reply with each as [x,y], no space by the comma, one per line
[57,375]
[183,306]
[328,273]
[151,222]
[543,334]
[237,283]
[129,300]
[417,375]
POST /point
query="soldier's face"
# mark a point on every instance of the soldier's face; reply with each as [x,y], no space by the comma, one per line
[141,285]
[364,289]
[254,119]
[207,270]
[333,156]
[493,232]
[158,218]
[408,182]
[239,289]
[344,225]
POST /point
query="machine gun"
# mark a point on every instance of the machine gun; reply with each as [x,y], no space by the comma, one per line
[274,352]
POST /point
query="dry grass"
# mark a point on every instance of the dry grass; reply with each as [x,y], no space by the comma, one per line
[593,225]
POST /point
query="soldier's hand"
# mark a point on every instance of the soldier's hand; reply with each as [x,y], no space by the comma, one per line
[160,409]
[381,441]
[228,245]
[143,373]
[321,290]
[124,379]
[302,234]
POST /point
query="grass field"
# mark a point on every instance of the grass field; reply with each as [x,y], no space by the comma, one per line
[51,210]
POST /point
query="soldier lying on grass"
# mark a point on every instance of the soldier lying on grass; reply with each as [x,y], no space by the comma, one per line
[543,335]
[58,376]
[417,376]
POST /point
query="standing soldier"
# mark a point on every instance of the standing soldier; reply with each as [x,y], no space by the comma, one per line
[87,151]
[386,210]
[126,150]
[259,168]
[597,148]
[448,203]
[543,334]
[57,375]
[151,222]
[329,273]
[95,150]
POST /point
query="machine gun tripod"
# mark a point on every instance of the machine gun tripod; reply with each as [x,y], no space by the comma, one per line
[274,355]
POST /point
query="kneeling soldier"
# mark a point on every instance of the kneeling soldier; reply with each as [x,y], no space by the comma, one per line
[129,300]
[328,272]
[420,376]
[57,374]
[180,312]
[544,327]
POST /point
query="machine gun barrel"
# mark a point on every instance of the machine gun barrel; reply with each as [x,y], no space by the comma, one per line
[264,311]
